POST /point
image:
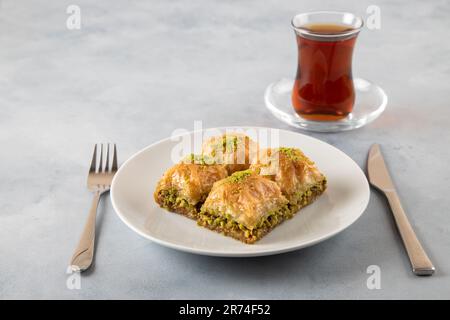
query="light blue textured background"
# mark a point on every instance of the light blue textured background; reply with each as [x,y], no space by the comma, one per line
[139,69]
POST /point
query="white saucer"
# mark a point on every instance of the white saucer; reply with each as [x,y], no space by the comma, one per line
[371,101]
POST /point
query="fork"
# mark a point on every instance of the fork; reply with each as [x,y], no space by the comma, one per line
[98,182]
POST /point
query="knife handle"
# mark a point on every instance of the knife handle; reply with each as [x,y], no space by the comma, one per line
[421,264]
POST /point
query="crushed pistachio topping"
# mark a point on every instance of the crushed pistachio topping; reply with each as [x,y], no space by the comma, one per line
[226,144]
[172,199]
[213,219]
[295,154]
[303,197]
[239,176]
[230,142]
[199,159]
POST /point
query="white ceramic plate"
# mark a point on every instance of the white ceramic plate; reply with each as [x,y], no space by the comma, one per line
[342,204]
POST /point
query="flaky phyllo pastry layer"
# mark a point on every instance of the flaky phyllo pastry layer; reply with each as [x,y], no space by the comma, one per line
[235,150]
[297,176]
[247,204]
[185,186]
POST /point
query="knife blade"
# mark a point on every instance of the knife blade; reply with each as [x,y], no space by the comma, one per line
[377,170]
[380,178]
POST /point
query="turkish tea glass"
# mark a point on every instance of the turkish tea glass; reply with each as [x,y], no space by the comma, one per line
[323,88]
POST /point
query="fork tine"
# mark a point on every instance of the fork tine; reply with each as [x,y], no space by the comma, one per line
[94,160]
[107,158]
[100,166]
[114,164]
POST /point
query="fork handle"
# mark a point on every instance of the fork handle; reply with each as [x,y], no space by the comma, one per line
[84,253]
[420,262]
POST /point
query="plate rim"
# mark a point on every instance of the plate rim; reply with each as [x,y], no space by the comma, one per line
[218,253]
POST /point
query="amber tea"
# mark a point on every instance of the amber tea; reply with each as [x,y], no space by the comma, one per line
[323,88]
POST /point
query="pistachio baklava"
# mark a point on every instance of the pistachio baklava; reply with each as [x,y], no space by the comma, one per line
[235,150]
[245,206]
[299,179]
[185,186]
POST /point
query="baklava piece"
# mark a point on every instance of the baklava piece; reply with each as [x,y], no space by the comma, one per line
[235,150]
[297,176]
[185,186]
[245,206]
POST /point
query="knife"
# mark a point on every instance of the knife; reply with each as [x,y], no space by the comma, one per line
[379,177]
